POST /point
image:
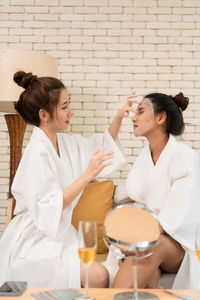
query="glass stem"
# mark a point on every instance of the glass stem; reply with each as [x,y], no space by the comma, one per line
[86,281]
[135,292]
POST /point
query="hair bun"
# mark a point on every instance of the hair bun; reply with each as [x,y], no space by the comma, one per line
[181,101]
[23,79]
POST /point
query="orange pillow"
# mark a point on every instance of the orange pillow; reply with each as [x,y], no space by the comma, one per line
[95,201]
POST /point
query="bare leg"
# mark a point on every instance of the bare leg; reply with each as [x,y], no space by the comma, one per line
[98,276]
[168,255]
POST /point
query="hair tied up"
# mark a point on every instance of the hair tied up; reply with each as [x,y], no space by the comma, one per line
[181,101]
[23,79]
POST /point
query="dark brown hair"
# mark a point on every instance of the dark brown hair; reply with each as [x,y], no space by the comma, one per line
[39,93]
[173,107]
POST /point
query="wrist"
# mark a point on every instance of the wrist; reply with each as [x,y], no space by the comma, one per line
[86,177]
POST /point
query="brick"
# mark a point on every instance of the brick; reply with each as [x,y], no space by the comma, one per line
[170,18]
[111,9]
[89,69]
[97,91]
[81,24]
[106,39]
[105,54]
[159,84]
[76,121]
[155,54]
[143,62]
[145,3]
[160,10]
[190,33]
[96,61]
[46,2]
[9,39]
[46,17]
[22,2]
[96,17]
[31,39]
[156,25]
[11,24]
[78,39]
[107,99]
[144,18]
[84,10]
[107,25]
[109,83]
[46,46]
[83,83]
[184,10]
[70,3]
[97,3]
[181,25]
[169,77]
[81,54]
[36,9]
[94,46]
[4,17]
[69,32]
[120,17]
[119,32]
[184,69]
[98,32]
[8,8]
[144,32]
[169,62]
[170,3]
[131,54]
[119,47]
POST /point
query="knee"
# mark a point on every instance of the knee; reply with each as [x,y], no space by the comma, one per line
[100,277]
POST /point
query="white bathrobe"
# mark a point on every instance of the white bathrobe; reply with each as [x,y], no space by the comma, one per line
[40,244]
[171,188]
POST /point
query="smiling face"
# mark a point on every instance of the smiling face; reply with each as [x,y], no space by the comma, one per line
[62,112]
[144,120]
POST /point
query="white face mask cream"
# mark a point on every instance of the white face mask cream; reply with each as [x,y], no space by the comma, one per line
[148,102]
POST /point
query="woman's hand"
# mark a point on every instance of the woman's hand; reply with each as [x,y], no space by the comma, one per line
[98,163]
[122,113]
[127,108]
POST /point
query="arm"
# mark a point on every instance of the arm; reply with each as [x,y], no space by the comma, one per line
[96,165]
[122,113]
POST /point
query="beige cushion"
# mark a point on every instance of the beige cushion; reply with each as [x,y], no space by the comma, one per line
[95,201]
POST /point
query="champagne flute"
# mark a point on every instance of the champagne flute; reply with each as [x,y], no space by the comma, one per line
[197,242]
[87,239]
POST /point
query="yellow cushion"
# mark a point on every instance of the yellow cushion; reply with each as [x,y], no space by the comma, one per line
[93,204]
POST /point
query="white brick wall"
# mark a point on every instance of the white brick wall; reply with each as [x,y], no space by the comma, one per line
[105,48]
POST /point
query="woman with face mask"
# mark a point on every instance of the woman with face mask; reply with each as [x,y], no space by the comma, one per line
[166,178]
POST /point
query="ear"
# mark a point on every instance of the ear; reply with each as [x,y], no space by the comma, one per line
[44,115]
[161,118]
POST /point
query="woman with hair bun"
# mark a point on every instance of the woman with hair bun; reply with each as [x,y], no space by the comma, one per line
[40,244]
[166,179]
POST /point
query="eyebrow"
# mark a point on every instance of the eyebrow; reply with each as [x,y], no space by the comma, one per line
[140,108]
[66,102]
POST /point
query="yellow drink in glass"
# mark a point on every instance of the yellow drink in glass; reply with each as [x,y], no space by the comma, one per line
[87,255]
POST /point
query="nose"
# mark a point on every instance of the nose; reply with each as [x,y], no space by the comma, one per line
[133,119]
[70,112]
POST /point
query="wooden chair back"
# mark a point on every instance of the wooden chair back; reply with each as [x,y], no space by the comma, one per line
[10,210]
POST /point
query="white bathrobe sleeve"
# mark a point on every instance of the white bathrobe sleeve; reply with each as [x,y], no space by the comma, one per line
[36,187]
[103,142]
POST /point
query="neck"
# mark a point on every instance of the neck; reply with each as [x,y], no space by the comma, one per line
[157,143]
[52,135]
